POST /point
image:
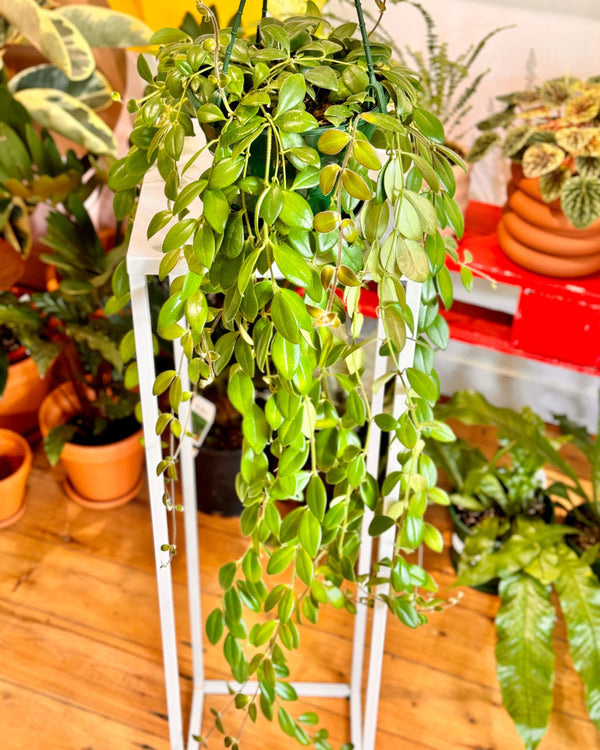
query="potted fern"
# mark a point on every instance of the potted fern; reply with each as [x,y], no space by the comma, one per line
[525,556]
[317,169]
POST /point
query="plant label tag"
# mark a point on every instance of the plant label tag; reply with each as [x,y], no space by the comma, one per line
[203,414]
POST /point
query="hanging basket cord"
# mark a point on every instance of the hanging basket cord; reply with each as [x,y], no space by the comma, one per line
[374,83]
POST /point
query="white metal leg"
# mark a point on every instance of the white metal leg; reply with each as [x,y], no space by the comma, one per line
[385,549]
[142,327]
[192,553]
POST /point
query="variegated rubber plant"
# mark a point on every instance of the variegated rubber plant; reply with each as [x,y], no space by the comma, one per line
[324,174]
[553,131]
[64,94]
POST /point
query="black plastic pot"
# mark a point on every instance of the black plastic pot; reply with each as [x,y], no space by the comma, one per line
[215,481]
[571,519]
[460,532]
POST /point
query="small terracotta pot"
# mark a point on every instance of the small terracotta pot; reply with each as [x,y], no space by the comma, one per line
[15,465]
[538,236]
[99,476]
[23,394]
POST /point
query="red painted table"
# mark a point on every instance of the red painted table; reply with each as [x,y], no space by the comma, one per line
[556,320]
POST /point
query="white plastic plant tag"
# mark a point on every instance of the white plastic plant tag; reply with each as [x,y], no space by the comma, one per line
[203,414]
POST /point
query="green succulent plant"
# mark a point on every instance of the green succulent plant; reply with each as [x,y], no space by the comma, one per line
[553,131]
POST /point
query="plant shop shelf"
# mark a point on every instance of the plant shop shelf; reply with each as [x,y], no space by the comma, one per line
[529,315]
[514,311]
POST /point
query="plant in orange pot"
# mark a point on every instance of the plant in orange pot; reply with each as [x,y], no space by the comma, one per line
[551,221]
[88,422]
[15,464]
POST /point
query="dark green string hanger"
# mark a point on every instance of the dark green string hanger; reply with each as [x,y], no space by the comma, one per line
[373,82]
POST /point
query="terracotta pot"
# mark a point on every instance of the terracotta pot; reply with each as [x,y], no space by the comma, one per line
[15,464]
[538,236]
[99,476]
[23,394]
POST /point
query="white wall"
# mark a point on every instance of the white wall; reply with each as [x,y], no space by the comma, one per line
[551,38]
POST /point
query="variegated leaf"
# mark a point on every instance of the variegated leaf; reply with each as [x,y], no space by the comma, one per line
[516,139]
[103,27]
[55,36]
[582,107]
[482,146]
[542,158]
[95,92]
[554,93]
[551,184]
[574,140]
[588,166]
[62,113]
[411,259]
[580,201]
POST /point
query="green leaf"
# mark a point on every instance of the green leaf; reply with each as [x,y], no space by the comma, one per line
[579,594]
[428,124]
[286,356]
[225,172]
[296,121]
[525,655]
[291,93]
[227,575]
[333,141]
[216,209]
[355,185]
[55,441]
[240,391]
[283,317]
[324,77]
[295,211]
[280,559]
[580,200]
[214,626]
[286,722]
[255,428]
[309,533]
[292,264]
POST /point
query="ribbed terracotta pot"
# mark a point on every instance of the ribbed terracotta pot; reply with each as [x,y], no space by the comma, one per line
[538,236]
[22,396]
[15,465]
[99,476]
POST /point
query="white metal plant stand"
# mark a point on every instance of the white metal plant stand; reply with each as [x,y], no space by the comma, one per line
[143,261]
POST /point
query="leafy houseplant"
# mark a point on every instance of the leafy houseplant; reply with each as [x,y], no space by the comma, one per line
[552,137]
[65,93]
[509,484]
[295,195]
[66,327]
[532,562]
[528,557]
[31,172]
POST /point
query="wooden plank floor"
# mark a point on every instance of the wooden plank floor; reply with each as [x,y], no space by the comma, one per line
[80,664]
